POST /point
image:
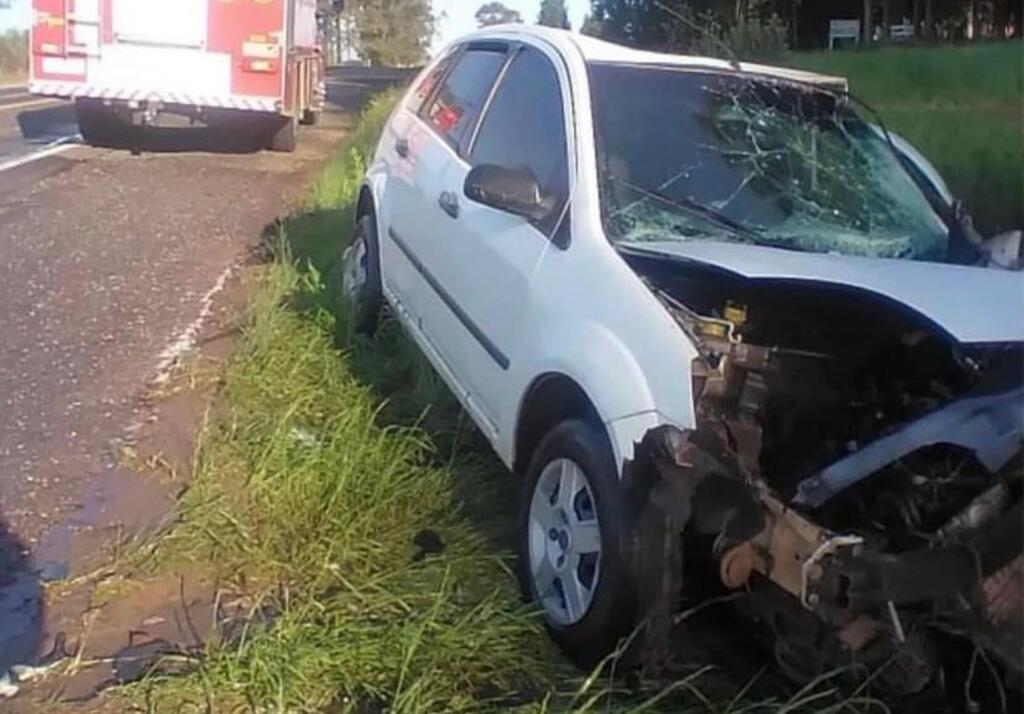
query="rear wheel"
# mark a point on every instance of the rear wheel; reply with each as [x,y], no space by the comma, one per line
[310,117]
[284,137]
[574,543]
[361,281]
[98,124]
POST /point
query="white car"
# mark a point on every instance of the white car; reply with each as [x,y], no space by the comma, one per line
[706,309]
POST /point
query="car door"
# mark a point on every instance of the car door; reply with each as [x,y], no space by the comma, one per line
[426,140]
[482,258]
[403,198]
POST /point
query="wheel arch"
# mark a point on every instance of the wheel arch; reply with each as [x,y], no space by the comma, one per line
[366,204]
[550,399]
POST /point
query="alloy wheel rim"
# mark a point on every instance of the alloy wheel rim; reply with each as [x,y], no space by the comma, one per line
[564,542]
[354,276]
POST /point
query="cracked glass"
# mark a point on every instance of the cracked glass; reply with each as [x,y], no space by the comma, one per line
[698,155]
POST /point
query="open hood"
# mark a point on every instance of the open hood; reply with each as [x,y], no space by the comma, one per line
[972,304]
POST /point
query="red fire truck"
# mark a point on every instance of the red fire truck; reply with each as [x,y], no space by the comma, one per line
[251,63]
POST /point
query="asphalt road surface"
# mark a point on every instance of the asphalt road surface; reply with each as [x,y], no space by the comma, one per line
[106,257]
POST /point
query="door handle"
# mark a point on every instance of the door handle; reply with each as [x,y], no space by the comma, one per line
[449,203]
[402,147]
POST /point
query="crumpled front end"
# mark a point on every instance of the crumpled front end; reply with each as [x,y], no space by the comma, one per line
[854,479]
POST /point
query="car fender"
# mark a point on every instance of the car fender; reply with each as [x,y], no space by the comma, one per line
[631,392]
[375,182]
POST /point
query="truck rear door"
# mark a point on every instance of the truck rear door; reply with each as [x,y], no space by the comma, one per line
[171,23]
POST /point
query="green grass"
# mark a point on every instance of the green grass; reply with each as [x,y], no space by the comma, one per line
[963,107]
[325,457]
[310,501]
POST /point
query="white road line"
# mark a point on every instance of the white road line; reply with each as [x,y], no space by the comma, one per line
[54,147]
[32,103]
[185,342]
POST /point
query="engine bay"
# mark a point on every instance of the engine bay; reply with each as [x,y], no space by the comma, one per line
[855,471]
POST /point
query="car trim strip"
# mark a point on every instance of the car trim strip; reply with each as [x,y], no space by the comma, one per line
[492,349]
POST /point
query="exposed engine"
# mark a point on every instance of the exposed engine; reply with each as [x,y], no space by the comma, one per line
[880,502]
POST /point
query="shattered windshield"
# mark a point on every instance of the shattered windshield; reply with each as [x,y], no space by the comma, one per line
[691,155]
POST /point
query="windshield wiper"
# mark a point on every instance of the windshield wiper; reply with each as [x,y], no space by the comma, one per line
[694,208]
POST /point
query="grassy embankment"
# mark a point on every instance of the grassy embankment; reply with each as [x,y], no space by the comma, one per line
[963,107]
[321,468]
[316,478]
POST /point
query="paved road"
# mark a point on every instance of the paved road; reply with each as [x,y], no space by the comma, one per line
[29,124]
[105,260]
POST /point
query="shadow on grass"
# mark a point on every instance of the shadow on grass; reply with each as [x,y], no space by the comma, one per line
[410,391]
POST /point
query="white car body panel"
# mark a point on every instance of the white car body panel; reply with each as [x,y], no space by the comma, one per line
[972,304]
[583,312]
[524,274]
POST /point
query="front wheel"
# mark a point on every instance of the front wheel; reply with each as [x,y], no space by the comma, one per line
[574,544]
[361,283]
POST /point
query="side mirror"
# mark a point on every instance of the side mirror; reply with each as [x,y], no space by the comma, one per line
[515,191]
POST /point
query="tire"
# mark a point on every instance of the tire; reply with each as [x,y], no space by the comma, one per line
[284,136]
[99,125]
[361,282]
[589,635]
[310,117]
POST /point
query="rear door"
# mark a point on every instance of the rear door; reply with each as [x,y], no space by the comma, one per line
[177,23]
[422,151]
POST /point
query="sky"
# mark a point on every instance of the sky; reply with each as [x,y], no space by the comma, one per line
[17,16]
[459,14]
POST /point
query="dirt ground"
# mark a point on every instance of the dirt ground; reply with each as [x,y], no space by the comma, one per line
[115,268]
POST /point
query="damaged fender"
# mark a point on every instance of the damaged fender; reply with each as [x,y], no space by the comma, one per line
[989,426]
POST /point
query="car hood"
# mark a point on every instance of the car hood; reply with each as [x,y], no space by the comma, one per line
[972,304]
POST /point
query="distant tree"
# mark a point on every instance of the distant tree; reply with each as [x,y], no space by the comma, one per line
[644,23]
[393,33]
[496,13]
[554,14]
[592,26]
[329,7]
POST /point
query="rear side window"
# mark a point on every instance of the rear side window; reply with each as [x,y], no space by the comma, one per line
[525,125]
[425,88]
[457,104]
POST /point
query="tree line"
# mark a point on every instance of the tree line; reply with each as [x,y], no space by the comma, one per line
[801,23]
[553,13]
[400,32]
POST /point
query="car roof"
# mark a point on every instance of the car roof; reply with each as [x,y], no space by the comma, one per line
[595,50]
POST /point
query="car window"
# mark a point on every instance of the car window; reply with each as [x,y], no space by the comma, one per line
[525,125]
[458,102]
[425,88]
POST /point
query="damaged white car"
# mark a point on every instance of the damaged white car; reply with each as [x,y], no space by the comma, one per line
[733,336]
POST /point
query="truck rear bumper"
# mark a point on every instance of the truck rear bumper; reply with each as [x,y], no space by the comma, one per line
[76,90]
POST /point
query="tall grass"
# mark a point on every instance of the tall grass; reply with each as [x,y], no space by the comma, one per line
[318,509]
[963,107]
[347,506]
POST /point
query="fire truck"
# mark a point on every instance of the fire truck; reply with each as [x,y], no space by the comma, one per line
[252,64]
